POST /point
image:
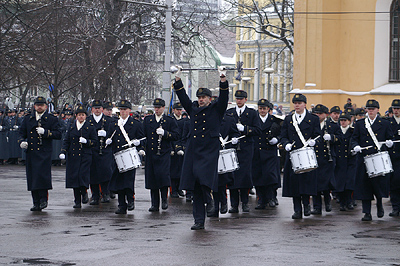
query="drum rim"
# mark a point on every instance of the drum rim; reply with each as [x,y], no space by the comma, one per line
[374,154]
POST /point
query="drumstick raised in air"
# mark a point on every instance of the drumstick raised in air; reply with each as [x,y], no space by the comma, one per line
[112,135]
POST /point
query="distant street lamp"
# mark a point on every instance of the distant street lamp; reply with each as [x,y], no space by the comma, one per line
[268,71]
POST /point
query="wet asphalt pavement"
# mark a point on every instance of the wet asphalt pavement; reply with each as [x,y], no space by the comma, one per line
[94,235]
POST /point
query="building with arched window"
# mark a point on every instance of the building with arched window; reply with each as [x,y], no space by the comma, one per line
[347,49]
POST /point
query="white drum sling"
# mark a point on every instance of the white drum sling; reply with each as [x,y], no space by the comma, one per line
[127,159]
[378,164]
[303,160]
[227,161]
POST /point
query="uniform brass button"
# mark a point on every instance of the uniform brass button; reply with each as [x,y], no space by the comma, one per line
[202,136]
[194,136]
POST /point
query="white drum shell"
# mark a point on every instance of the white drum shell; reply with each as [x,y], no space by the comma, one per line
[378,164]
[227,161]
[303,160]
[127,159]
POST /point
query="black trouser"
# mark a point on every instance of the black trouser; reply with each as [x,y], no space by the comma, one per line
[366,205]
[395,199]
[345,197]
[265,194]
[122,194]
[305,199]
[96,189]
[78,193]
[174,185]
[244,196]
[220,197]
[39,196]
[317,200]
[155,196]
[201,195]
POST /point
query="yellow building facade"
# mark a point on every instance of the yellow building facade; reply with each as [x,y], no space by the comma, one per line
[346,49]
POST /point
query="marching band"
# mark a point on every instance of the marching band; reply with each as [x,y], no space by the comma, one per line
[350,154]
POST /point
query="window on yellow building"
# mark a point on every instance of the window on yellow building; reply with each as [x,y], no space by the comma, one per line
[394,75]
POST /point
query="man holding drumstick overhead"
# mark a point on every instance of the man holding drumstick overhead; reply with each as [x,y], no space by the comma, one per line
[200,165]
[299,130]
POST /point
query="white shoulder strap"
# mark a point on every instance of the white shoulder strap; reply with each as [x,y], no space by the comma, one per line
[296,126]
[121,127]
[371,133]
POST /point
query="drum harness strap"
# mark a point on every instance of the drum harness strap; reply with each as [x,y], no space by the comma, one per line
[296,126]
[371,133]
[121,127]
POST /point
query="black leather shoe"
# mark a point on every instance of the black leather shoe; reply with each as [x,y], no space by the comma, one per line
[153,209]
[297,215]
[35,208]
[260,207]
[394,213]
[224,208]
[94,202]
[43,205]
[272,203]
[197,226]
[342,209]
[276,201]
[77,206]
[210,207]
[120,211]
[164,204]
[112,195]
[367,217]
[380,212]
[131,206]
[234,210]
[316,212]
[350,206]
[189,198]
[245,207]
[328,207]
[174,195]
[85,198]
[181,193]
[307,210]
[105,198]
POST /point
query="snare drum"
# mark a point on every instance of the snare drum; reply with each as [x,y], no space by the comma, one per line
[227,161]
[378,164]
[303,160]
[127,159]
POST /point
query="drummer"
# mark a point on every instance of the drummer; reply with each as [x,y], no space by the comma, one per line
[127,134]
[299,186]
[366,188]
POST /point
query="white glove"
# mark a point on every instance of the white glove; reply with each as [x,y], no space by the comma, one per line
[235,141]
[15,127]
[108,141]
[40,130]
[398,132]
[327,137]
[142,152]
[136,142]
[273,141]
[222,71]
[61,156]
[24,145]
[180,153]
[288,147]
[101,133]
[172,153]
[389,143]
[160,131]
[179,72]
[82,140]
[240,127]
[1,128]
[357,148]
[311,143]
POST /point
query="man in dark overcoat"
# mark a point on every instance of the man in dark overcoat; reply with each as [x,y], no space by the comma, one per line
[177,152]
[366,188]
[395,157]
[248,125]
[3,138]
[77,148]
[160,131]
[36,134]
[200,163]
[299,186]
[14,150]
[326,157]
[266,168]
[124,183]
[102,162]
